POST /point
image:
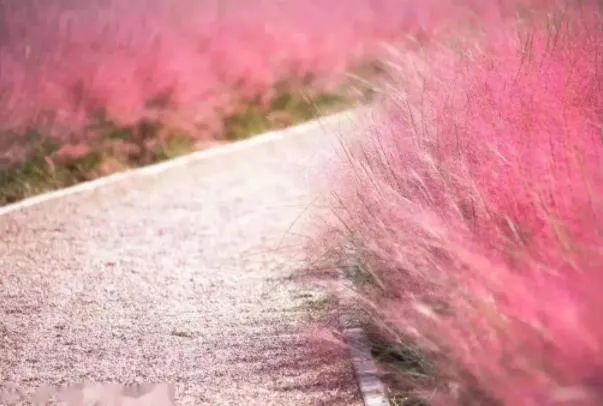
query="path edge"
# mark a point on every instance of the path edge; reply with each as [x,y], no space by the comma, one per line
[366,372]
[257,140]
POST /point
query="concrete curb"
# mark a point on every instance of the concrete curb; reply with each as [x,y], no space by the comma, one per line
[265,138]
[370,386]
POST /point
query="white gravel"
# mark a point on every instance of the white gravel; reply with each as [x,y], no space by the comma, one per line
[177,277]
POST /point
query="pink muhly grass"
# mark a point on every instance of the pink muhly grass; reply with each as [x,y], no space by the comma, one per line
[476,206]
[67,62]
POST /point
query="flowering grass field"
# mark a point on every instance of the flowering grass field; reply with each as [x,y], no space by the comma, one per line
[472,213]
[92,87]
[89,88]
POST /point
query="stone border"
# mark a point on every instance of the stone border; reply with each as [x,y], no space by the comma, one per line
[366,372]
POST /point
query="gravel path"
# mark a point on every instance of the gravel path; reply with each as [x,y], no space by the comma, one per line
[179,277]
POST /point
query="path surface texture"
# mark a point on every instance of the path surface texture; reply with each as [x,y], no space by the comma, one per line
[181,276]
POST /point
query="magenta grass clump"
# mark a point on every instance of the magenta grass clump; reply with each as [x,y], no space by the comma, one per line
[475,205]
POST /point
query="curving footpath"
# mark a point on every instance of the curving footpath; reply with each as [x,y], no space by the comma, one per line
[178,274]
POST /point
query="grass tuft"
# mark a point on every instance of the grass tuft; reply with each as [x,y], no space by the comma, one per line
[475,203]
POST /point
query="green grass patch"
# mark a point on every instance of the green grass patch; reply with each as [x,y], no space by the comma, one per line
[290,107]
[39,174]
